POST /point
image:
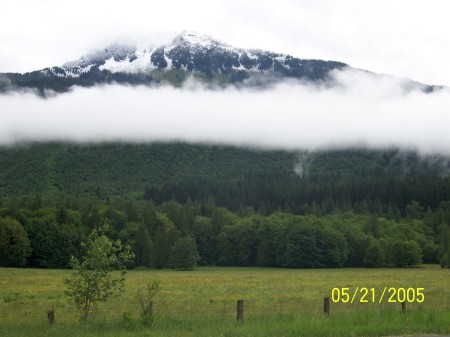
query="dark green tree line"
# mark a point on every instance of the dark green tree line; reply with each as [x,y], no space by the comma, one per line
[48,236]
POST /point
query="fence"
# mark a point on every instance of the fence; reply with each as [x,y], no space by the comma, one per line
[239,310]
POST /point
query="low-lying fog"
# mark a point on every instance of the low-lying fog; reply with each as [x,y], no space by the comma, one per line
[361,109]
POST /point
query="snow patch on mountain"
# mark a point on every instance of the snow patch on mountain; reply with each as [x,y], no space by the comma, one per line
[196,39]
[201,41]
[169,62]
[135,62]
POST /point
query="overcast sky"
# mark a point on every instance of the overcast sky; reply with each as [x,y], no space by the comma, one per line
[401,38]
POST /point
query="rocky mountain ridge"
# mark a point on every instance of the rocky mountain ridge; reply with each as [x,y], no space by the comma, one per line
[189,55]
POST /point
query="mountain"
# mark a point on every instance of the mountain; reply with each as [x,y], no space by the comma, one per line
[189,55]
[194,53]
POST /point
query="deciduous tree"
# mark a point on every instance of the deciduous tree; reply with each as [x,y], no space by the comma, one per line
[14,243]
[185,254]
[93,280]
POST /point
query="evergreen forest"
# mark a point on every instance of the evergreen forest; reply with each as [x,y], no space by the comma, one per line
[232,206]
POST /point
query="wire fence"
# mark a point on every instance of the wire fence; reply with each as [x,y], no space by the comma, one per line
[238,309]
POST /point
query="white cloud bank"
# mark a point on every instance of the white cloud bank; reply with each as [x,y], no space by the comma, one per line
[361,110]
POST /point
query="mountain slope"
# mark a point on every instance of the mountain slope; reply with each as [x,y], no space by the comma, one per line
[126,169]
[231,177]
[189,55]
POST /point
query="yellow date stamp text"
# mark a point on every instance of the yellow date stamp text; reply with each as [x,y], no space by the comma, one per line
[375,295]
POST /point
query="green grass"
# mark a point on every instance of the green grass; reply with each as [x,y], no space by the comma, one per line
[278,302]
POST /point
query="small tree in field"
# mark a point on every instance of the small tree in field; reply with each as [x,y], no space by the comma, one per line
[145,297]
[93,280]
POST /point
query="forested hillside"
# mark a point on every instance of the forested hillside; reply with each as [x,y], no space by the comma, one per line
[125,170]
[243,207]
[381,182]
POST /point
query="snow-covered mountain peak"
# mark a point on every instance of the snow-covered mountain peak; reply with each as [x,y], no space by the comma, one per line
[199,40]
[128,58]
[188,55]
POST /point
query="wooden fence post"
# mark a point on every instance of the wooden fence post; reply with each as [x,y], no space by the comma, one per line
[326,305]
[240,310]
[51,317]
[403,306]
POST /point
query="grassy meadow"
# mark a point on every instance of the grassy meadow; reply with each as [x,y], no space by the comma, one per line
[277,302]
